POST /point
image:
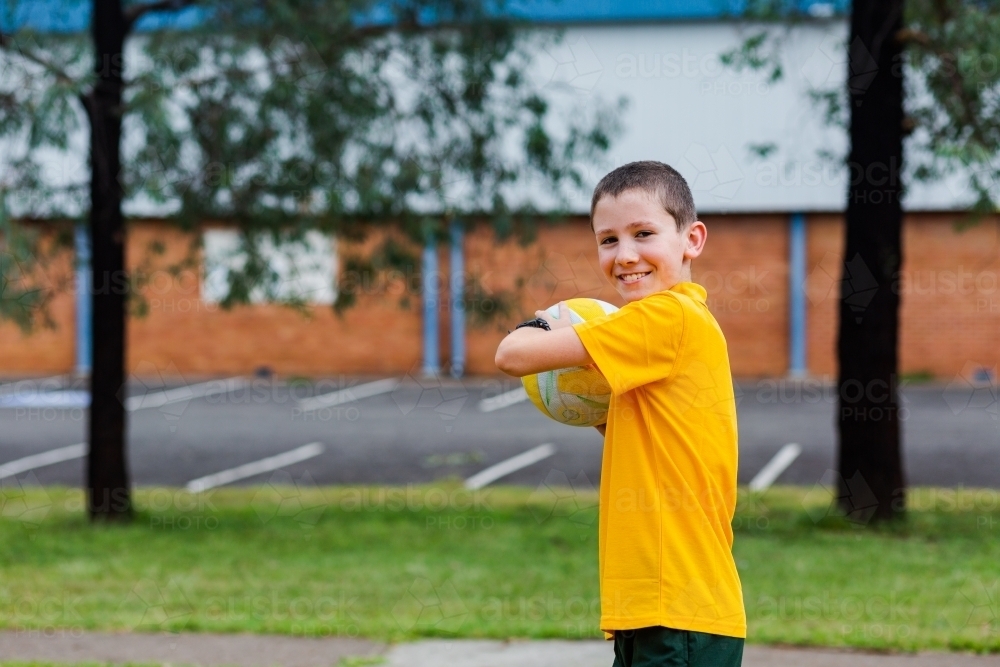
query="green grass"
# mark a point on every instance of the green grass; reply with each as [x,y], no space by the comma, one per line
[918,377]
[505,562]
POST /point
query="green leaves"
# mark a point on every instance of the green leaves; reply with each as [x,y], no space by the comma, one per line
[955,49]
[24,288]
[290,114]
[952,69]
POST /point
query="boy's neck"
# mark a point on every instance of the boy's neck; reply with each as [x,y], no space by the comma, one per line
[685,272]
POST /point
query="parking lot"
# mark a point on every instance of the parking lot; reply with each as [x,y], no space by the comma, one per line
[411,430]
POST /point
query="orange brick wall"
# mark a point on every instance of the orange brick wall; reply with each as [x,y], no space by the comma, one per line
[180,331]
[824,250]
[743,268]
[950,296]
[562,264]
[49,348]
[946,324]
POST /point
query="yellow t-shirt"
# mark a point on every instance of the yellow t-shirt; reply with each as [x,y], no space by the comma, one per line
[668,475]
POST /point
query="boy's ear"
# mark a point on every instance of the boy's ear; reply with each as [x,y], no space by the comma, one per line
[695,235]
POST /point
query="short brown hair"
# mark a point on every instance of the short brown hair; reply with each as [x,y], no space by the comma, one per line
[655,178]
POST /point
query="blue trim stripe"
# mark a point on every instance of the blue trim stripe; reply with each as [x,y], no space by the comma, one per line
[797,295]
[457,284]
[431,297]
[84,320]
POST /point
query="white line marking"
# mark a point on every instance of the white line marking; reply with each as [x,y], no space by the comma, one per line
[59,398]
[513,464]
[765,478]
[43,459]
[255,468]
[347,395]
[33,386]
[504,400]
[160,398]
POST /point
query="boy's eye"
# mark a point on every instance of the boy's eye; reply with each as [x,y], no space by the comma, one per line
[610,238]
[644,232]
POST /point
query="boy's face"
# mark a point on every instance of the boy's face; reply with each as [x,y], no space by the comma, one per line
[639,247]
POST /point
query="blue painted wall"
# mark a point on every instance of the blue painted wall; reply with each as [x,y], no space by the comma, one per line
[74,15]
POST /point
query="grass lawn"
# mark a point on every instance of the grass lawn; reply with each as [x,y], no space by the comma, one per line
[396,563]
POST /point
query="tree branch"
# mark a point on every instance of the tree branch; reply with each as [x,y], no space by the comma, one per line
[135,12]
[7,44]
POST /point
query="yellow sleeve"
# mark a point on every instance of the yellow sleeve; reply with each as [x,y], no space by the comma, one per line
[637,344]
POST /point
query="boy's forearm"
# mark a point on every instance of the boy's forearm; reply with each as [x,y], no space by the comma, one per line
[511,352]
[530,350]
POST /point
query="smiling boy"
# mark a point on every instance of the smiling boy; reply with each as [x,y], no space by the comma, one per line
[670,592]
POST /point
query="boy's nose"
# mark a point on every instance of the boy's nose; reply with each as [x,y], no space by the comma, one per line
[627,255]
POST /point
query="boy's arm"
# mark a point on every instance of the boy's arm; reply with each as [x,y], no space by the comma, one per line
[530,350]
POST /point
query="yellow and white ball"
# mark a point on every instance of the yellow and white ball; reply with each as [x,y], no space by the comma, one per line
[578,396]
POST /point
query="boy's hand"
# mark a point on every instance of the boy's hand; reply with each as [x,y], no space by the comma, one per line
[561,322]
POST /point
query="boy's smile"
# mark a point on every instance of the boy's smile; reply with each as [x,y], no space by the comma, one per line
[639,246]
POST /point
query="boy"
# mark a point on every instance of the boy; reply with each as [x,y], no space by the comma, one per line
[670,593]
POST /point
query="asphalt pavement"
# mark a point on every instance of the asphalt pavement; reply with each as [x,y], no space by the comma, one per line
[425,429]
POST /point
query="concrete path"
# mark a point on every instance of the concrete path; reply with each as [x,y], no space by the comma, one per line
[207,650]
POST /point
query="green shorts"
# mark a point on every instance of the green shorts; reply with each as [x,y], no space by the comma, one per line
[665,647]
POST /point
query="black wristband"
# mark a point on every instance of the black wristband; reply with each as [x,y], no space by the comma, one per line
[537,323]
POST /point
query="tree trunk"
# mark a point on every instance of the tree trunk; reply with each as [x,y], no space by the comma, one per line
[109,496]
[871,483]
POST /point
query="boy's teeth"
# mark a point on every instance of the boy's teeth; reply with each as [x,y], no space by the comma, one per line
[632,277]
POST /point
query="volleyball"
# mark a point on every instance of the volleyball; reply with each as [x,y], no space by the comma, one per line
[578,396]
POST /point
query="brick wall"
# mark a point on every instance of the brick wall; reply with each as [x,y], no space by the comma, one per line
[49,348]
[824,251]
[374,337]
[950,316]
[951,295]
[743,269]
[950,312]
